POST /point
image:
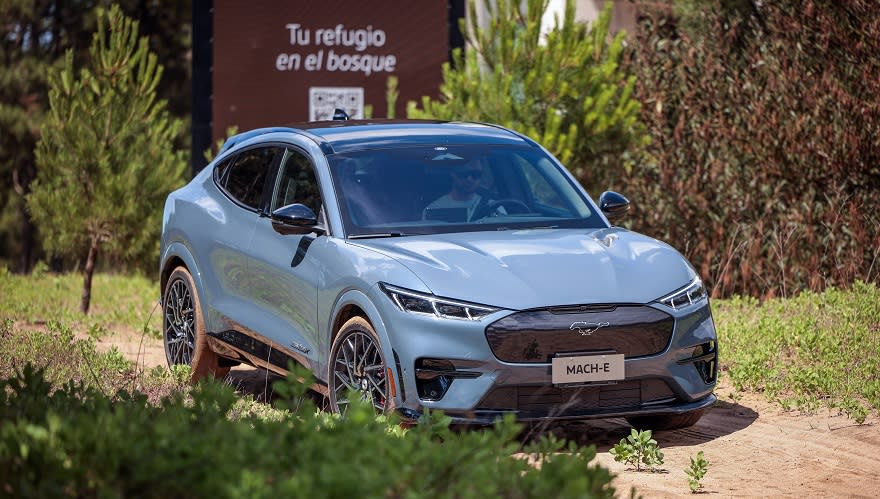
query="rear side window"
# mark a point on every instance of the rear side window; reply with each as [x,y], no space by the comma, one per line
[220,170]
[246,177]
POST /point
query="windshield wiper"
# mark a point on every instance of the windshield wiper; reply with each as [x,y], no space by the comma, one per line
[382,234]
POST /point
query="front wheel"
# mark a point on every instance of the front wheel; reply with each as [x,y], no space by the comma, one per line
[183,327]
[673,422]
[357,364]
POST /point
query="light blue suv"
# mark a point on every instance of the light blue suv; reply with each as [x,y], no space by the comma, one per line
[432,265]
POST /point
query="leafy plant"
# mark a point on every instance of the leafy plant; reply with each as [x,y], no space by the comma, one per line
[638,449]
[72,440]
[696,471]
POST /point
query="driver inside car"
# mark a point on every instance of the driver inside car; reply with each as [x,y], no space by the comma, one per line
[466,197]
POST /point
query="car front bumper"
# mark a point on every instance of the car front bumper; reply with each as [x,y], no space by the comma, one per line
[475,386]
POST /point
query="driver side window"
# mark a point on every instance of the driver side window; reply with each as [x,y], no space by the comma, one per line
[296,182]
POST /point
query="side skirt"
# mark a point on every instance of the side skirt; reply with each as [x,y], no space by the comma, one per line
[259,352]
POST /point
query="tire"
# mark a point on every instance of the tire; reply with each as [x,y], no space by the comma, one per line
[357,363]
[673,422]
[183,327]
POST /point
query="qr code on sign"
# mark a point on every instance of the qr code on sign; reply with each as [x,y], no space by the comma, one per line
[323,101]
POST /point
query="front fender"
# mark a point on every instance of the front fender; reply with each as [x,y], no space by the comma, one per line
[361,300]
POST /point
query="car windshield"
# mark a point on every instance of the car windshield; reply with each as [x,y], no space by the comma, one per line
[439,189]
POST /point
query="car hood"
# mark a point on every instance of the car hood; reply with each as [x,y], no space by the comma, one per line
[542,267]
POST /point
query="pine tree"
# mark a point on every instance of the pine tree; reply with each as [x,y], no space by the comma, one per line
[566,88]
[105,157]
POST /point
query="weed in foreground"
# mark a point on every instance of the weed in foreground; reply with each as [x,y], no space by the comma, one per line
[696,471]
[638,449]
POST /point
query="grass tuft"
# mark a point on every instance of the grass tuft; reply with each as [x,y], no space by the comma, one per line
[117,302]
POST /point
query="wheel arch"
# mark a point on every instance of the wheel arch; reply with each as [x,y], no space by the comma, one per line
[353,303]
[177,255]
[345,313]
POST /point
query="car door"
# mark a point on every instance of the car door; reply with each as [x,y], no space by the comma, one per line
[242,181]
[286,266]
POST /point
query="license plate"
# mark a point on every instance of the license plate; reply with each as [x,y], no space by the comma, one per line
[587,368]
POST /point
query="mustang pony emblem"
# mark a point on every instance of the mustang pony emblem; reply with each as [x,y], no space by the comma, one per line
[587,328]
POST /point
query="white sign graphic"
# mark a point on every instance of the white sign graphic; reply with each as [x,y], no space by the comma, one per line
[329,50]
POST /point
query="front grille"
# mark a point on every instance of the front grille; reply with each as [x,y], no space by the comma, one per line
[536,336]
[552,401]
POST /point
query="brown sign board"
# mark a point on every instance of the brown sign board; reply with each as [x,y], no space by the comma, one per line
[276,63]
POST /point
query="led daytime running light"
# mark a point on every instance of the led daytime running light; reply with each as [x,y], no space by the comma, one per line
[425,304]
[689,295]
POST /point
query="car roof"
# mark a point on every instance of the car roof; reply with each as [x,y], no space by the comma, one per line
[351,135]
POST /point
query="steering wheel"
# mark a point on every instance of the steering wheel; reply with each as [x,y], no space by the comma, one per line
[513,206]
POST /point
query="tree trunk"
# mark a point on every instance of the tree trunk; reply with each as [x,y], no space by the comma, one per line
[26,258]
[87,276]
[21,183]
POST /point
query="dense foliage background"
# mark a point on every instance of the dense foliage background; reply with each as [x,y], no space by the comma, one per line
[764,161]
[747,133]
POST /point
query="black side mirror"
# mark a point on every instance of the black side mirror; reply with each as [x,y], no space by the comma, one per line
[296,219]
[613,205]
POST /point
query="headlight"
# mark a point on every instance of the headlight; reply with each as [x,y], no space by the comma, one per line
[689,295]
[421,303]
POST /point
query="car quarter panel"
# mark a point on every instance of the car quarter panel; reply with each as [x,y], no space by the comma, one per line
[216,232]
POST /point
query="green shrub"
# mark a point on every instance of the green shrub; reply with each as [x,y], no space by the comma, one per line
[64,357]
[696,472]
[74,441]
[106,157]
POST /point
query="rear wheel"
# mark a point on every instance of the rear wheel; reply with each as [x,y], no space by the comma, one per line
[184,334]
[673,422]
[357,364]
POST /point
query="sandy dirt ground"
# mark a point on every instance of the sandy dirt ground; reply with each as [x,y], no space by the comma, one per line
[753,447]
